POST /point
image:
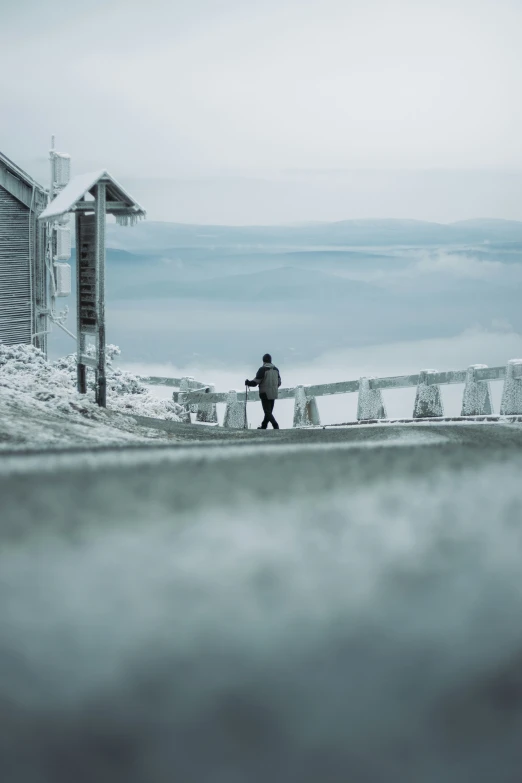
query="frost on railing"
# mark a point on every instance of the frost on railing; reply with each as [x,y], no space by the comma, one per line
[512,393]
[235,413]
[370,404]
[184,387]
[476,400]
[306,412]
[207,412]
[428,401]
[204,410]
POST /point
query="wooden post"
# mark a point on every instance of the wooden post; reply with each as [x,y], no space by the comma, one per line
[101,380]
[85,297]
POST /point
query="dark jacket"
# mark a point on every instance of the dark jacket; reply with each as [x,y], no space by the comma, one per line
[269,380]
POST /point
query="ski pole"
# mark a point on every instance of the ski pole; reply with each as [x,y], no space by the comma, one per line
[246,400]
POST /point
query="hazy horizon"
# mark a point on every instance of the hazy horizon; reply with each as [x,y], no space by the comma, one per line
[275,199]
[235,113]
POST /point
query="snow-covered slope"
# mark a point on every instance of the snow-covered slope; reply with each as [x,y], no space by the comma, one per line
[39,404]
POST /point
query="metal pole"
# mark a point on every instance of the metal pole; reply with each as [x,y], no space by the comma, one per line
[246,400]
[101,383]
[64,328]
[51,158]
[51,235]
[41,294]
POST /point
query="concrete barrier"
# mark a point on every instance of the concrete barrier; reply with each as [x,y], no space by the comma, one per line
[428,401]
[184,388]
[370,404]
[306,412]
[234,413]
[476,399]
[207,412]
[512,392]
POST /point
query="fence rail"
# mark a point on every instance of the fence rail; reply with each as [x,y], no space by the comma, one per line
[156,380]
[202,398]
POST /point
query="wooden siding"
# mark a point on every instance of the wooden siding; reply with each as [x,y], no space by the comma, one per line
[15,270]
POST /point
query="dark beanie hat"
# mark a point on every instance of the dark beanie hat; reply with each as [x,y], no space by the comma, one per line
[267,358]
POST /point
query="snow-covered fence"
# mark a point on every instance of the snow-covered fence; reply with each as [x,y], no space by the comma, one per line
[476,400]
[156,380]
[205,411]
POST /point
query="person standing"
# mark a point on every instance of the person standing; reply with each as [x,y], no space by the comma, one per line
[269,380]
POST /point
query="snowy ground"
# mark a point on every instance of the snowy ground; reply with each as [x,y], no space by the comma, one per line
[314,606]
[39,404]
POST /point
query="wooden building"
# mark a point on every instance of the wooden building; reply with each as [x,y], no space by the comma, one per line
[23,287]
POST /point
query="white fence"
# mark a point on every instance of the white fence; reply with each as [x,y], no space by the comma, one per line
[201,398]
[205,411]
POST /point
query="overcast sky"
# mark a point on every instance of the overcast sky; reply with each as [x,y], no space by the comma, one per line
[275,110]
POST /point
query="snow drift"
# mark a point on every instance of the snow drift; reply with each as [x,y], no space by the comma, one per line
[39,404]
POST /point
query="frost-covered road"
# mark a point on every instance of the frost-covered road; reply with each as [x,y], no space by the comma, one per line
[306,607]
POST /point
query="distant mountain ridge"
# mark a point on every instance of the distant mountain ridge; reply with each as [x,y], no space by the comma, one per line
[281,284]
[153,237]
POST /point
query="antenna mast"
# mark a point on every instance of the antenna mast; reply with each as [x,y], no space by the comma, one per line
[58,245]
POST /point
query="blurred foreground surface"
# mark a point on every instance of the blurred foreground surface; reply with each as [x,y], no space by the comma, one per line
[334,606]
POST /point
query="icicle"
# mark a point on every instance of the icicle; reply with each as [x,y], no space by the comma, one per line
[129,220]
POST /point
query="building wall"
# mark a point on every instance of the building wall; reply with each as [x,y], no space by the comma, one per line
[17,262]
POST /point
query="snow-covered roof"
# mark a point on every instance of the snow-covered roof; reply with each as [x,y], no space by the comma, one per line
[17,171]
[82,184]
[20,185]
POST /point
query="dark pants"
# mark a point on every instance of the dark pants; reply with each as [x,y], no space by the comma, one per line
[268,407]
